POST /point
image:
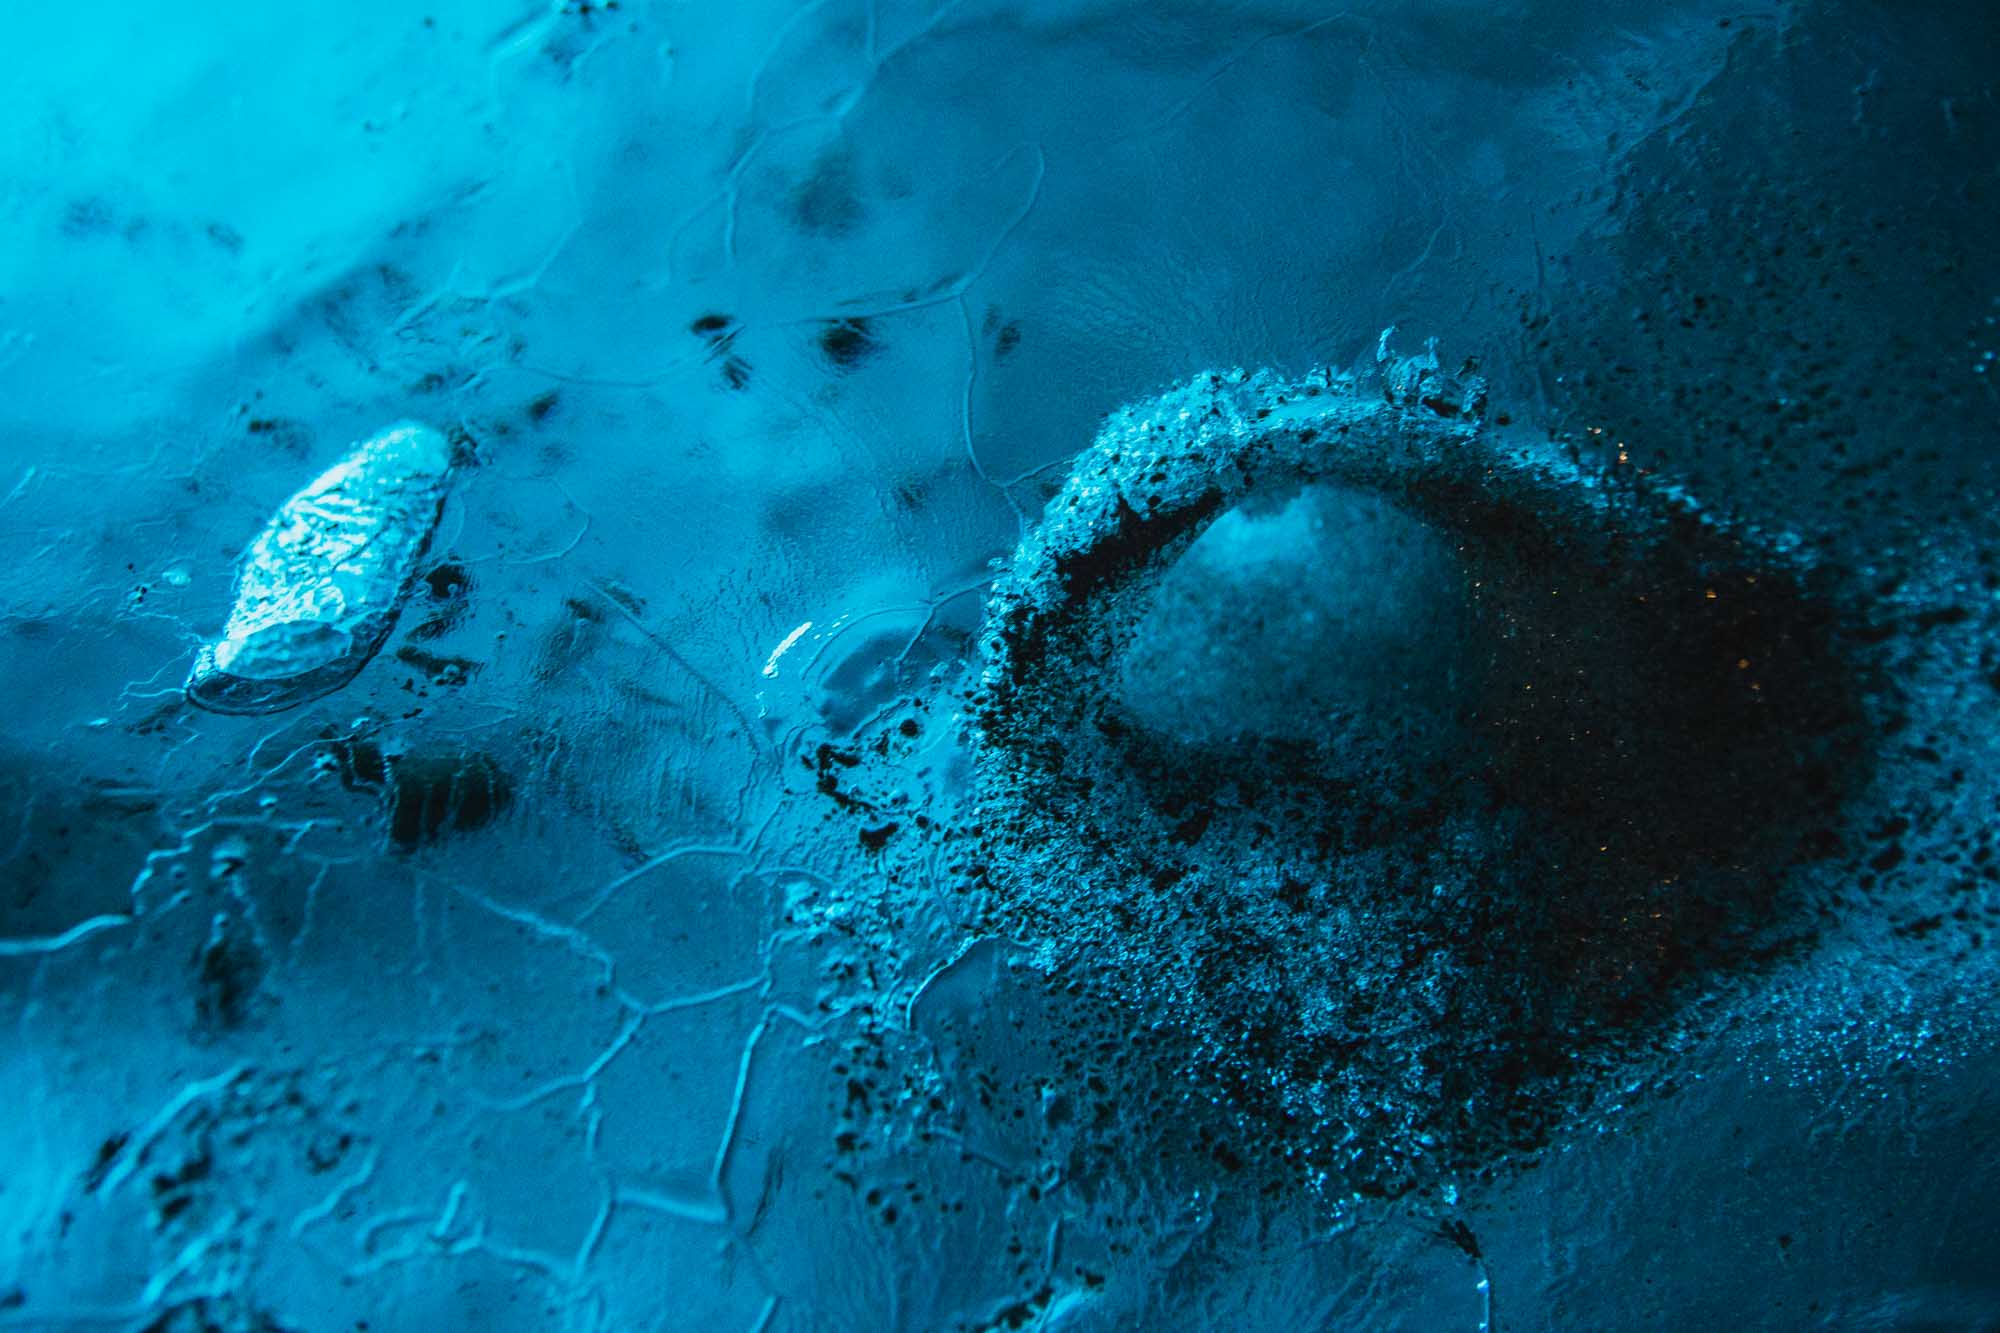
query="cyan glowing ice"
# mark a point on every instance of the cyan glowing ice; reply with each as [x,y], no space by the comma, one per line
[318,589]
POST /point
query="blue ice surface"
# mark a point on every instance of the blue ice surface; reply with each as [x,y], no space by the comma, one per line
[549,975]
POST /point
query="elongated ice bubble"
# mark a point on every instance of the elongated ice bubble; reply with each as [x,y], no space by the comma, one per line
[320,586]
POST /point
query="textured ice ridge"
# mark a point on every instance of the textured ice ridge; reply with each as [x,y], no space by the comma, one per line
[319,588]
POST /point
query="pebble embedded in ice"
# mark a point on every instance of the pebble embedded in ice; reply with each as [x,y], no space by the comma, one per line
[319,588]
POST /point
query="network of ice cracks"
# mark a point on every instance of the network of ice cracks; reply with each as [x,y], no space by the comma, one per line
[528,981]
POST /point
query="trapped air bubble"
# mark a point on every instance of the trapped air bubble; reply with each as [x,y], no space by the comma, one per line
[319,588]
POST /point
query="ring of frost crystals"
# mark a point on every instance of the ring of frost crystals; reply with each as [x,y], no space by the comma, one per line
[1558,763]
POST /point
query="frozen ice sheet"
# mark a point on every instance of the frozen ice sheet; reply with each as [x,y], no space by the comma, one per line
[626,947]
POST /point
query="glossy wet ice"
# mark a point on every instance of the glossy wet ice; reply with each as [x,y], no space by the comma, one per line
[319,589]
[599,956]
[1323,613]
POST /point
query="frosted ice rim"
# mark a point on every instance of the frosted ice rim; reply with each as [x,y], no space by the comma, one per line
[1382,967]
[319,588]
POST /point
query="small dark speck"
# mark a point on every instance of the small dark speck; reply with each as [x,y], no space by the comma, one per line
[736,372]
[226,236]
[464,448]
[1459,1234]
[107,1152]
[875,839]
[287,435]
[848,342]
[1887,859]
[448,580]
[542,404]
[711,324]
[1949,615]
[827,204]
[1007,339]
[1188,832]
[434,795]
[442,670]
[227,970]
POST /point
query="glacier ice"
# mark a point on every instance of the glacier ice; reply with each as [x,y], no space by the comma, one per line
[655,927]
